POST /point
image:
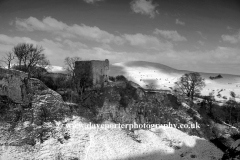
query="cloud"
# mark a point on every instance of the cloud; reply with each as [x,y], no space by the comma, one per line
[147,42]
[223,53]
[91,1]
[201,34]
[156,47]
[72,44]
[229,28]
[172,35]
[56,51]
[214,60]
[145,7]
[4,39]
[84,32]
[67,31]
[180,22]
[7,43]
[201,42]
[231,38]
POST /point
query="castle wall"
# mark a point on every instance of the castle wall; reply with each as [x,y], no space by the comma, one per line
[100,71]
[95,71]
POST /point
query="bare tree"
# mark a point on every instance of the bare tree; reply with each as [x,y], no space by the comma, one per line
[30,57]
[36,59]
[20,52]
[83,82]
[190,84]
[8,58]
[70,64]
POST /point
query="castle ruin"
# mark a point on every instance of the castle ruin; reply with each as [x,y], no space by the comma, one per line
[94,72]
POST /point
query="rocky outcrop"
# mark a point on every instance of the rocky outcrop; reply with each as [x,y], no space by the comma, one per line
[31,93]
[120,102]
[26,105]
[47,104]
[127,102]
[13,85]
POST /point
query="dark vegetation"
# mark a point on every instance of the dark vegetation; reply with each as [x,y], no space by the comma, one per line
[216,77]
[229,112]
[189,85]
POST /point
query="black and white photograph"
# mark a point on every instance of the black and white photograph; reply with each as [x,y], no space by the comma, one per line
[119,79]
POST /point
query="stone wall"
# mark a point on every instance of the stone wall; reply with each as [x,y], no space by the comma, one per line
[100,71]
[96,72]
[12,85]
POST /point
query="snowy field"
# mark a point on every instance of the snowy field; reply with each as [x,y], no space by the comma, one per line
[154,75]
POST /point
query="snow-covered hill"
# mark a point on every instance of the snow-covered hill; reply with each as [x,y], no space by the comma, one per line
[114,144]
[159,76]
[56,69]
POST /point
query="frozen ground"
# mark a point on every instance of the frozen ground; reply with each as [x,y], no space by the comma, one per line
[115,144]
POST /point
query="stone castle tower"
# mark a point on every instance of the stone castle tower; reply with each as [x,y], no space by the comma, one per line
[94,71]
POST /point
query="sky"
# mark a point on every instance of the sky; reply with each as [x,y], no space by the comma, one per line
[196,35]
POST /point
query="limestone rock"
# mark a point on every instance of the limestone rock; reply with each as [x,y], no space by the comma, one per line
[20,90]
[46,103]
[128,103]
[26,101]
[12,85]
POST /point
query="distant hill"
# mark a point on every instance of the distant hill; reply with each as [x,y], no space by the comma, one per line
[159,76]
[119,67]
[57,69]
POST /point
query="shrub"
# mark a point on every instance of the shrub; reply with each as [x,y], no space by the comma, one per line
[37,72]
[49,82]
[224,97]
[20,68]
[121,78]
[111,78]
